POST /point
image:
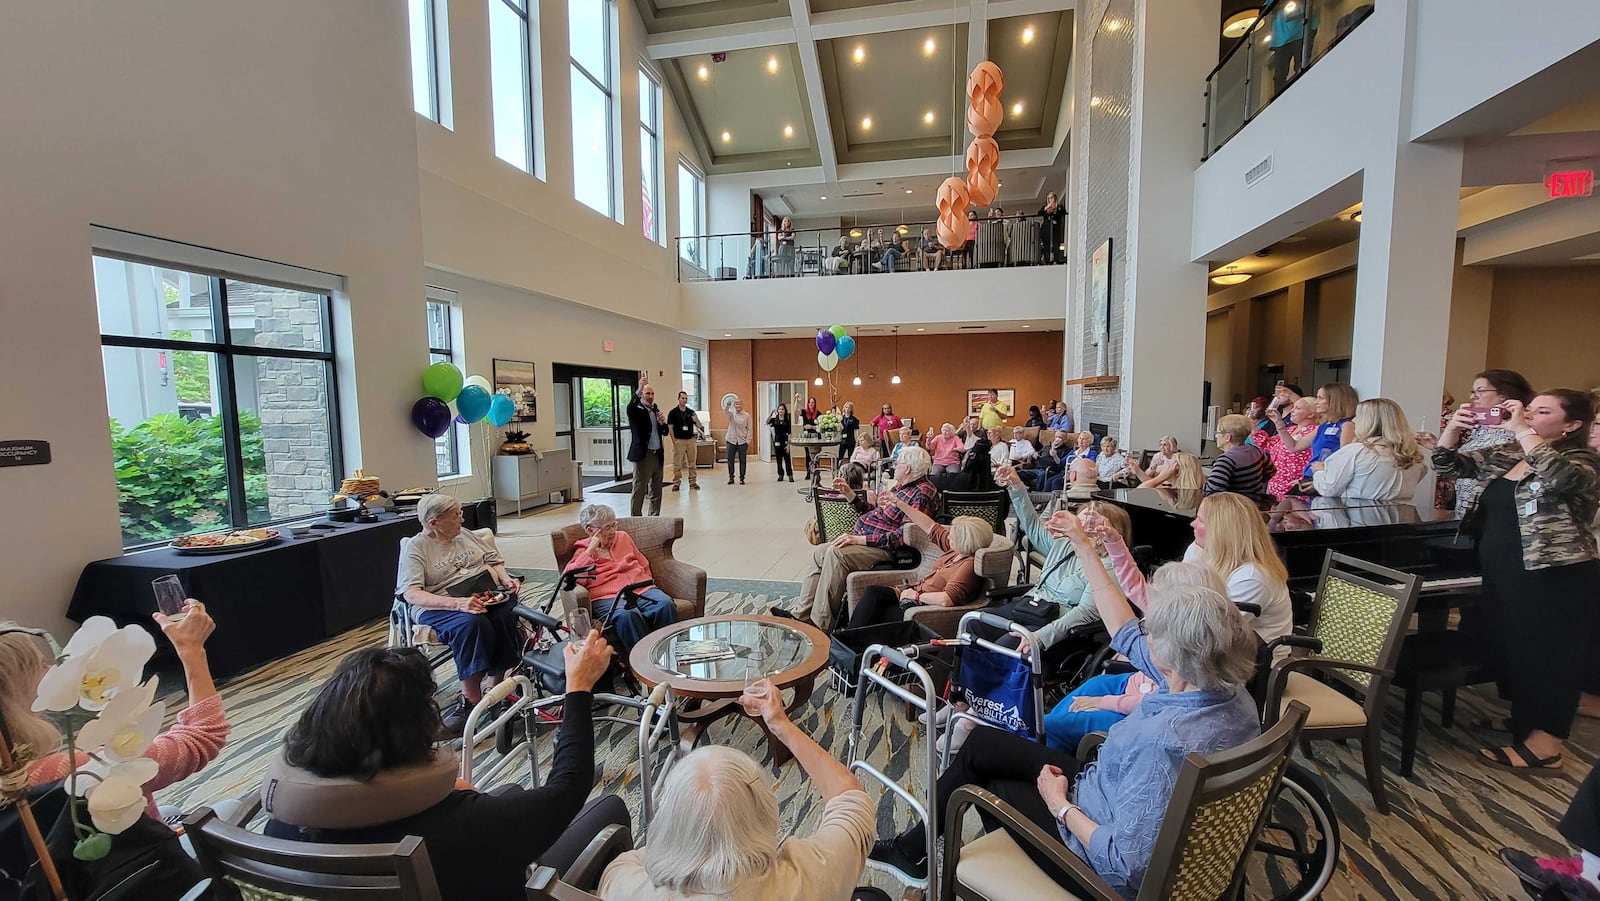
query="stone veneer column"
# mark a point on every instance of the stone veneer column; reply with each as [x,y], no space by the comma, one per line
[291,397]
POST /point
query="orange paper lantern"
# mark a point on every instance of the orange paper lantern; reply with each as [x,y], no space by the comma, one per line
[983,163]
[984,110]
[953,203]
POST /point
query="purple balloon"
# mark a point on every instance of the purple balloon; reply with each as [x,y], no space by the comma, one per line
[431,416]
[825,341]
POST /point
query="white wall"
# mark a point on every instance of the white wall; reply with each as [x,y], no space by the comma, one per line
[278,130]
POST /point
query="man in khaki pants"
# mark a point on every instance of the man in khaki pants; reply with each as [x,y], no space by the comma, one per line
[870,541]
[685,425]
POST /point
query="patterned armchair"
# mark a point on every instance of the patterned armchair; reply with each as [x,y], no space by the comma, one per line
[993,564]
[835,515]
[1358,624]
[654,535]
[1217,810]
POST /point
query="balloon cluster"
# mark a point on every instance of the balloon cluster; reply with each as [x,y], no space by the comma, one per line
[834,344]
[984,115]
[474,401]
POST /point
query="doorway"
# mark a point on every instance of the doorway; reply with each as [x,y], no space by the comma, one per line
[596,421]
[768,396]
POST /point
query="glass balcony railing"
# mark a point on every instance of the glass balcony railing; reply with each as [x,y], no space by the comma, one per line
[1286,40]
[995,242]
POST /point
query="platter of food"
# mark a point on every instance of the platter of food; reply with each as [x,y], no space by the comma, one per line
[224,542]
[491,598]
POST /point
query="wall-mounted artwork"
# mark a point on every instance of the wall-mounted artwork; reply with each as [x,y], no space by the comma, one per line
[514,379]
[976,397]
[1100,304]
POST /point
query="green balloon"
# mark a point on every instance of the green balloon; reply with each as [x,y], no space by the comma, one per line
[442,380]
[839,331]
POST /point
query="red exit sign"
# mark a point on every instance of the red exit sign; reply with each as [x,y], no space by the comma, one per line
[1570,183]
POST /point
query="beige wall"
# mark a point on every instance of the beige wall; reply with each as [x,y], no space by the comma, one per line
[1219,357]
[1335,315]
[1471,300]
[1543,323]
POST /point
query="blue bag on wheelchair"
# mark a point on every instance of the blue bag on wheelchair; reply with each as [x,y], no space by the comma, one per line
[999,689]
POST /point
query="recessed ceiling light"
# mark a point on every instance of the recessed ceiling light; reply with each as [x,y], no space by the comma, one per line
[1027,35]
[921,330]
[908,190]
[861,53]
[704,73]
[928,117]
[928,47]
[726,137]
[772,64]
[866,122]
[1095,102]
[823,197]
[1016,108]
[1027,326]
[1239,23]
[727,334]
[788,131]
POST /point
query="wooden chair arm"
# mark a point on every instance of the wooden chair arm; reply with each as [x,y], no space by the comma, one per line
[1088,882]
[592,861]
[1278,679]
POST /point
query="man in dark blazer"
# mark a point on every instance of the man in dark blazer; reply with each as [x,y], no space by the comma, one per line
[648,428]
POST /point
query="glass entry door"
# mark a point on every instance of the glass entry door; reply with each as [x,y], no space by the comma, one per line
[600,440]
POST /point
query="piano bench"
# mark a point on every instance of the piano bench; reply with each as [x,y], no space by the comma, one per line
[1432,661]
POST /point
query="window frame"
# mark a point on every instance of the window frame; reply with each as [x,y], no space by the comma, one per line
[459,435]
[698,190]
[431,50]
[527,11]
[697,398]
[607,88]
[650,135]
[129,248]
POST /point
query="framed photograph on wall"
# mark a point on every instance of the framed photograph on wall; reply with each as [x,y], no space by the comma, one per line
[1100,304]
[514,379]
[977,396]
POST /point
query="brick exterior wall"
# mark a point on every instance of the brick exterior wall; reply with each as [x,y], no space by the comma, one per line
[291,397]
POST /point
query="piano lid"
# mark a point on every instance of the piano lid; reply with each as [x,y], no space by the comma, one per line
[1292,514]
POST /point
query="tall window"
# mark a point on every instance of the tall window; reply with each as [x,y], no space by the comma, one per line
[428,59]
[511,59]
[593,160]
[222,399]
[444,347]
[693,377]
[691,214]
[650,152]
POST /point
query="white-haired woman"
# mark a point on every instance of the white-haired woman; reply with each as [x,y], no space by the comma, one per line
[953,582]
[1382,461]
[715,830]
[946,449]
[1160,461]
[441,571]
[1199,651]
[618,563]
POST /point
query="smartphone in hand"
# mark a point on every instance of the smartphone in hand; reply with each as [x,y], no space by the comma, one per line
[1487,416]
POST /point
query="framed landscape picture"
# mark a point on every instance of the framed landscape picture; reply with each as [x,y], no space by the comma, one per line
[977,396]
[1100,304]
[514,379]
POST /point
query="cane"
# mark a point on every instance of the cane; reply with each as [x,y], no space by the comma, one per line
[14,790]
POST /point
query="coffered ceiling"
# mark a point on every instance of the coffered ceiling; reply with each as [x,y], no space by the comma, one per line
[854,90]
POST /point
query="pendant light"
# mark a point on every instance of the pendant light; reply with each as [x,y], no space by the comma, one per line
[857,380]
[896,379]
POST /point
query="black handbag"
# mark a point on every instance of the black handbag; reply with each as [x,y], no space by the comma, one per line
[1034,614]
[146,863]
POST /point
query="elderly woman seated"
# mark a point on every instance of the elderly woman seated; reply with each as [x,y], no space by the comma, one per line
[617,564]
[361,767]
[443,573]
[715,830]
[952,583]
[1199,652]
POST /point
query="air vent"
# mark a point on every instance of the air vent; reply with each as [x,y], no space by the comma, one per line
[865,194]
[1258,172]
[771,334]
[972,327]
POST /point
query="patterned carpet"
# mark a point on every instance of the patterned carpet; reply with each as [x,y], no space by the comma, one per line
[1439,841]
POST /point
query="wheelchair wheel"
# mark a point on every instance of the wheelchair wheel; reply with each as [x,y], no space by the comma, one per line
[1298,849]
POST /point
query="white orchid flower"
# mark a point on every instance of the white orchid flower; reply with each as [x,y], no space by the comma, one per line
[98,772]
[116,804]
[127,725]
[97,663]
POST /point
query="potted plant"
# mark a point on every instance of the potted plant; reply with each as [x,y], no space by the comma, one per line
[516,443]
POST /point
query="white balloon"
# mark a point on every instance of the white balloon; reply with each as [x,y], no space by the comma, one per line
[827,361]
[480,381]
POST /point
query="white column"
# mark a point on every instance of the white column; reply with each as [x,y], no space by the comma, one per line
[1164,351]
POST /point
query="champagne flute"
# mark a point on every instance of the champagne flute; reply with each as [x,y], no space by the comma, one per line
[581,624]
[170,596]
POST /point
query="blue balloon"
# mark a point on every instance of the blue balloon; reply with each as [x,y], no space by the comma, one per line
[501,410]
[825,342]
[472,403]
[844,347]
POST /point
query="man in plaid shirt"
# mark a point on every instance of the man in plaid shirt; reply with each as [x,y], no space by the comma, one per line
[870,541]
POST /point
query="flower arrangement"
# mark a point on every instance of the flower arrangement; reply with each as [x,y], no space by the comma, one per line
[829,423]
[108,719]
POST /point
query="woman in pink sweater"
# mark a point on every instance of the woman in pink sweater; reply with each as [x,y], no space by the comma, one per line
[180,752]
[618,563]
[946,449]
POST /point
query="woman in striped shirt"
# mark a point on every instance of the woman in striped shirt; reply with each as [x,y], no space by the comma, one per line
[1242,467]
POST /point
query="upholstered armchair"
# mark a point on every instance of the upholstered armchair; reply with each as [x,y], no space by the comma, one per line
[654,535]
[993,563]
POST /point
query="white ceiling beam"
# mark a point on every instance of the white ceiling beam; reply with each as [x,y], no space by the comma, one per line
[720,38]
[811,72]
[1564,229]
[1035,158]
[977,39]
[846,23]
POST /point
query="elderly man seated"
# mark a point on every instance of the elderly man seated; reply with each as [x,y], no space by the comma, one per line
[839,258]
[1023,451]
[1050,467]
[617,564]
[442,570]
[930,251]
[1083,478]
[869,542]
[715,833]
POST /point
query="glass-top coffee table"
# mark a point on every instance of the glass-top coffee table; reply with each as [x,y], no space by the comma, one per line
[705,660]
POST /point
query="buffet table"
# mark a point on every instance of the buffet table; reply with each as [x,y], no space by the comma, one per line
[268,602]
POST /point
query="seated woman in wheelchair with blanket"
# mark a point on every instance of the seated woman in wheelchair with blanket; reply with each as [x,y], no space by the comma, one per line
[615,574]
[1199,653]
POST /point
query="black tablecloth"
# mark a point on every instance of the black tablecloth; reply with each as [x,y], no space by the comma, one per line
[268,602]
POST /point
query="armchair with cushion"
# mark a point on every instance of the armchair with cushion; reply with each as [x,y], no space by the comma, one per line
[992,564]
[654,535]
